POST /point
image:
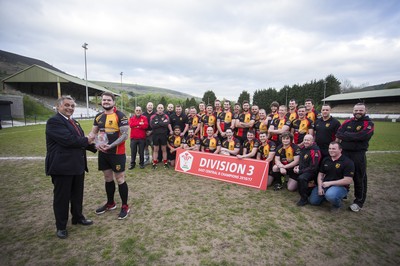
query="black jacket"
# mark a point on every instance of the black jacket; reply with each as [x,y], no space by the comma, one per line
[66,149]
[355,134]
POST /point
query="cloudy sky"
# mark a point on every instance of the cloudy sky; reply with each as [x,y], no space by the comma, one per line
[197,45]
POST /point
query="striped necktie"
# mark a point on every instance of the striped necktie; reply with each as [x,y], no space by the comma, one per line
[74,125]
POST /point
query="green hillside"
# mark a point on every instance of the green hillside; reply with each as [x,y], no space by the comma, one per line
[137,90]
[11,63]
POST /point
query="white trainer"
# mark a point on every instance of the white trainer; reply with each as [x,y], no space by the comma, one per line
[354,207]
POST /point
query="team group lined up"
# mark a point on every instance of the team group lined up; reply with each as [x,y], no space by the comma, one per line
[293,141]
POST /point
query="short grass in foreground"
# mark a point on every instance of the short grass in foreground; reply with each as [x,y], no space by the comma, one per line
[179,219]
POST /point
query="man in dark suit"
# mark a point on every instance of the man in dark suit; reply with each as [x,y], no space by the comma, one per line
[66,164]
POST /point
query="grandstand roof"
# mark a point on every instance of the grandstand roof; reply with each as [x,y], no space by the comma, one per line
[364,95]
[36,73]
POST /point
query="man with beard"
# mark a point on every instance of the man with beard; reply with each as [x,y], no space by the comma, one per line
[292,114]
[191,142]
[178,119]
[174,143]
[194,121]
[217,107]
[244,122]
[224,120]
[307,169]
[325,129]
[208,120]
[115,125]
[254,110]
[274,110]
[354,135]
[170,110]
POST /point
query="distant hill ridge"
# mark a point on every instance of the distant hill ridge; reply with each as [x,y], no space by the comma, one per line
[11,63]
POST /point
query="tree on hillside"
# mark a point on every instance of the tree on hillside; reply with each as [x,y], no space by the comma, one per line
[192,102]
[263,98]
[332,85]
[163,101]
[244,96]
[209,97]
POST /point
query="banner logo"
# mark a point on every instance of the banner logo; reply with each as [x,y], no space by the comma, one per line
[185,162]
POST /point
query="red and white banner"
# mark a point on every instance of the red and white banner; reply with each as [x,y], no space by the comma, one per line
[246,172]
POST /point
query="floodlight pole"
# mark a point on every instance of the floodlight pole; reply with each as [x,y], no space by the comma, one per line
[325,89]
[122,100]
[286,91]
[84,46]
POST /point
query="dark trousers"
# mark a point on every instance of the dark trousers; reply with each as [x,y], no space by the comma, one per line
[277,175]
[302,183]
[67,188]
[360,175]
[135,143]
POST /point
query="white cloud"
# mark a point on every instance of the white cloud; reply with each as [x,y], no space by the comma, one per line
[193,46]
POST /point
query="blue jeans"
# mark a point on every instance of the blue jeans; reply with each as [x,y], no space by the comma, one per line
[333,194]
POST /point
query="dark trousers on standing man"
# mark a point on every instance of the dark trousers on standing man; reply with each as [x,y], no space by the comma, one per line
[67,188]
[360,175]
[135,143]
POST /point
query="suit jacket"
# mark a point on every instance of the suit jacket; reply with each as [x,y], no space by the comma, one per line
[66,149]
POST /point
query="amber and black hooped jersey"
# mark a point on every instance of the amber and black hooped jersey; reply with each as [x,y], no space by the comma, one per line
[313,115]
[249,145]
[245,117]
[225,120]
[301,128]
[208,121]
[260,127]
[292,115]
[175,141]
[194,121]
[191,141]
[287,154]
[278,124]
[265,149]
[210,145]
[231,144]
[273,115]
[111,124]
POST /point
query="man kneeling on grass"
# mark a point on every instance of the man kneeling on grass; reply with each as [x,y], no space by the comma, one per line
[287,156]
[334,178]
[174,143]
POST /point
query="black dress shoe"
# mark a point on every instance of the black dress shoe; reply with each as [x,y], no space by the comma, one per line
[63,234]
[83,222]
[131,167]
